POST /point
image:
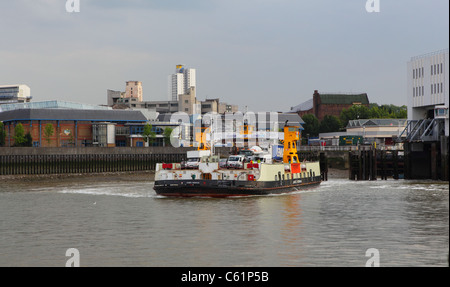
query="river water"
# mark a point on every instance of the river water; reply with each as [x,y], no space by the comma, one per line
[116,222]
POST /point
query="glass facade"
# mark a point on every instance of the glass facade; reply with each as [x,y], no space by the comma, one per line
[9,95]
[14,94]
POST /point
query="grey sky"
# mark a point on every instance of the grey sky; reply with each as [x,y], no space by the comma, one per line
[268,55]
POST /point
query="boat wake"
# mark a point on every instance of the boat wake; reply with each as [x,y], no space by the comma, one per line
[145,191]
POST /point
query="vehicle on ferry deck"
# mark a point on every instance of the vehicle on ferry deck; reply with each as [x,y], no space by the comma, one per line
[223,162]
[236,161]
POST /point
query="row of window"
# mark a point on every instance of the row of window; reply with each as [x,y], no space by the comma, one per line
[9,90]
[435,70]
[418,91]
[295,175]
[8,96]
[435,89]
[140,130]
[418,73]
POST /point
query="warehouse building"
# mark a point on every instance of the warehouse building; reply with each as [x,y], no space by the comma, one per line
[70,127]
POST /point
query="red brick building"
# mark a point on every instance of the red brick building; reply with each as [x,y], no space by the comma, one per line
[330,104]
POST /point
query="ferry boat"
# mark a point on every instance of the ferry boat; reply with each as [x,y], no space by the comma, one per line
[259,173]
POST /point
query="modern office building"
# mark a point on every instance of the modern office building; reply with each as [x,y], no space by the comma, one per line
[10,94]
[180,82]
[427,90]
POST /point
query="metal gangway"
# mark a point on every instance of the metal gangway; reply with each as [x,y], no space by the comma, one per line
[425,130]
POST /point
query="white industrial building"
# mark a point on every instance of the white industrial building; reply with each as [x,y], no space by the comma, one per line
[428,97]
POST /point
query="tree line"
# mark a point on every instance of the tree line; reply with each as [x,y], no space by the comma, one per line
[329,124]
[22,139]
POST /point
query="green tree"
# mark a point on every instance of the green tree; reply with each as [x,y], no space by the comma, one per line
[148,133]
[166,135]
[375,112]
[48,132]
[19,135]
[402,113]
[71,139]
[311,127]
[353,113]
[396,112]
[330,124]
[2,134]
[387,112]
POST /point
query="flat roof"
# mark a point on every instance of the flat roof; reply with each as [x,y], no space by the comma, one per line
[73,115]
[377,123]
[344,99]
[55,104]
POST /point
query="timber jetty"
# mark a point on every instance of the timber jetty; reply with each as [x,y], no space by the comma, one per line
[371,164]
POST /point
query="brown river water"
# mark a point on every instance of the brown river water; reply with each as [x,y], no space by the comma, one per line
[120,221]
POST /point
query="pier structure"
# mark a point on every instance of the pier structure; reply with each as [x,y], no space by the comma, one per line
[426,149]
[372,164]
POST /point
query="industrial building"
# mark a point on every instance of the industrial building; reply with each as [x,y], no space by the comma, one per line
[426,134]
[381,133]
[428,97]
[79,125]
[186,103]
[322,105]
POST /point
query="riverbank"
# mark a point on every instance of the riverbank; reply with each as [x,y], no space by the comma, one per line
[337,173]
[116,176]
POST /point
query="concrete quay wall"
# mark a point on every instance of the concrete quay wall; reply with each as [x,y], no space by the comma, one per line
[37,161]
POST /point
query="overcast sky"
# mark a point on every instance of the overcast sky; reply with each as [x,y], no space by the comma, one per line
[268,55]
